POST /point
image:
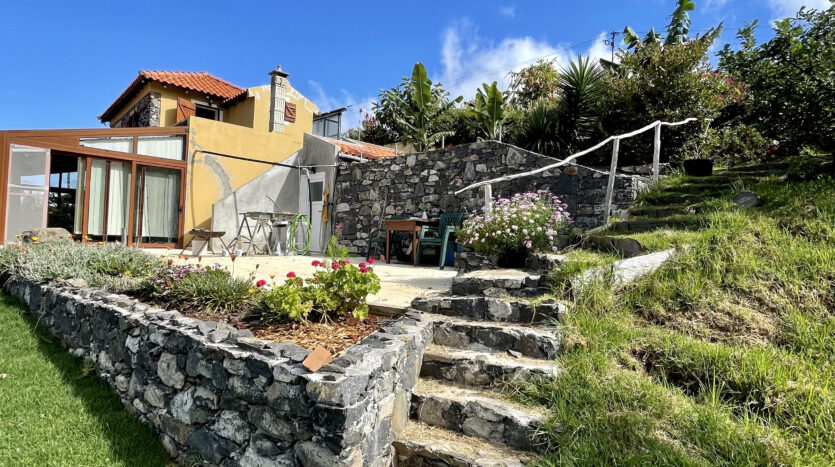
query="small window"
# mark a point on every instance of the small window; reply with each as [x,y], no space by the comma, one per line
[204,111]
[316,189]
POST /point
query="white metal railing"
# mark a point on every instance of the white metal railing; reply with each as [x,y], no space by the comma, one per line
[610,187]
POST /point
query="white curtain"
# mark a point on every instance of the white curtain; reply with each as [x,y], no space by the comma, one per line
[119,143]
[165,147]
[97,179]
[119,199]
[79,196]
[161,203]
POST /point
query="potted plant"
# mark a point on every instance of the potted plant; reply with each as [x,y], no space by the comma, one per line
[516,227]
[699,154]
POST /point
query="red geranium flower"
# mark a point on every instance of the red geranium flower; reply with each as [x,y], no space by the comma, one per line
[370,260]
[291,275]
[362,265]
[335,265]
[261,283]
[316,263]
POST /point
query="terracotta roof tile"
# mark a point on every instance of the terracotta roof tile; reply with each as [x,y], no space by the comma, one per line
[194,81]
[363,150]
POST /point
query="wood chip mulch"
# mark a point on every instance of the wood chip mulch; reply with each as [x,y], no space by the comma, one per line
[335,336]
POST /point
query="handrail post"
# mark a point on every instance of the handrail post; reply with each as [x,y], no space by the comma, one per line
[656,154]
[610,187]
[488,198]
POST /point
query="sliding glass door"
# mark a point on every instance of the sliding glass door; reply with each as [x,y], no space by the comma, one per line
[157,205]
[109,200]
[28,192]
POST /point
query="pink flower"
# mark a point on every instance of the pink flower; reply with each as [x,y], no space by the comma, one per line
[291,275]
[362,265]
[261,283]
[363,270]
[316,263]
[370,260]
[335,266]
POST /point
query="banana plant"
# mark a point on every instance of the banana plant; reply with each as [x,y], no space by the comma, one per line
[419,107]
[488,112]
[677,30]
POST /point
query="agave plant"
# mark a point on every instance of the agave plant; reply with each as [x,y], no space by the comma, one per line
[487,110]
[581,86]
[417,107]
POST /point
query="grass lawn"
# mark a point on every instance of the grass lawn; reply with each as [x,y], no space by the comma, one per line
[55,411]
[725,356]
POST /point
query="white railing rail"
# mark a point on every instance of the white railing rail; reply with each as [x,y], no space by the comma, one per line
[610,187]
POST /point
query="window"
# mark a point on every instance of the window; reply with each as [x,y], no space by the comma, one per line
[110,143]
[166,147]
[204,111]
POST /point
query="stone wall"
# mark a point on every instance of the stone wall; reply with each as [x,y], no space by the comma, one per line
[409,184]
[230,397]
[145,113]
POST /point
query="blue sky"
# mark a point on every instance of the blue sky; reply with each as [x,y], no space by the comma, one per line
[65,62]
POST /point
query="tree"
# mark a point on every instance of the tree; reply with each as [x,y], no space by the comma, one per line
[677,30]
[415,107]
[561,124]
[487,109]
[535,83]
[790,79]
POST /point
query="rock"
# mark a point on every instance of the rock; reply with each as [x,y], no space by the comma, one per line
[212,448]
[266,420]
[747,199]
[76,282]
[184,409]
[168,372]
[46,235]
[252,459]
[232,425]
[155,396]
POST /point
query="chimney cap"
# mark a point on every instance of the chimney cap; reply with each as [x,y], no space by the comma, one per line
[279,72]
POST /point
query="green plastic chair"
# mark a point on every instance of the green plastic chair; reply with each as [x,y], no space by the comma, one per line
[395,236]
[430,236]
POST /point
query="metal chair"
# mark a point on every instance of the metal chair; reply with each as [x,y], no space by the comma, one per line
[395,236]
[440,237]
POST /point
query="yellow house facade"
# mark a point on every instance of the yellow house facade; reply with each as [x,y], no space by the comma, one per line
[176,143]
[231,130]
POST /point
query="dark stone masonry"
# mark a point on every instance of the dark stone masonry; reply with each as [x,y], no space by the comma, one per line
[367,192]
[232,398]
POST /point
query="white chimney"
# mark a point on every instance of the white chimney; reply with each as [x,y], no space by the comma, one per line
[278,91]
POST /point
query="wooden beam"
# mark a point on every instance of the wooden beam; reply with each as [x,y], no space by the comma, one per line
[610,186]
[656,155]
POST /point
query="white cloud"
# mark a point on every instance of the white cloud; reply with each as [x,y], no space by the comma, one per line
[469,59]
[784,8]
[508,11]
[353,116]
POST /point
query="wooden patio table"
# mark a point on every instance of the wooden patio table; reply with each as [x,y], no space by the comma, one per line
[409,225]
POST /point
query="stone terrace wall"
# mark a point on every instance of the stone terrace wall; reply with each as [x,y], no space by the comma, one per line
[232,398]
[408,185]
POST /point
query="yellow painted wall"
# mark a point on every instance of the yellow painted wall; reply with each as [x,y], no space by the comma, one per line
[212,177]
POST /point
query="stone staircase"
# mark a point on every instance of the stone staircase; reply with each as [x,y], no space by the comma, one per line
[485,335]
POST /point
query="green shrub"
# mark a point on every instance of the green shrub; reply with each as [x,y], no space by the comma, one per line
[728,146]
[99,265]
[528,221]
[209,290]
[337,288]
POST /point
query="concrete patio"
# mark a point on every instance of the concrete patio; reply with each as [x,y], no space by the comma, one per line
[399,282]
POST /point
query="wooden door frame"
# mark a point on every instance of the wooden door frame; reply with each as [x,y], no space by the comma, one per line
[7,176]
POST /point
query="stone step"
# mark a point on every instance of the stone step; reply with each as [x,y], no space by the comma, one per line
[490,308]
[525,340]
[421,445]
[664,198]
[657,212]
[479,413]
[636,226]
[498,282]
[624,247]
[473,368]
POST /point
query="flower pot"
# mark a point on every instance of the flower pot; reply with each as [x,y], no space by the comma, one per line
[514,258]
[698,167]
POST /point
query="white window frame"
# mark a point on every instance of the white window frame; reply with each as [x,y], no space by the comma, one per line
[209,105]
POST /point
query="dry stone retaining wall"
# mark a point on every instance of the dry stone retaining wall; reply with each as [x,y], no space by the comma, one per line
[234,399]
[367,192]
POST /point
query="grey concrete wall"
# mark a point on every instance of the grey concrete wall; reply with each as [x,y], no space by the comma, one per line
[279,183]
[318,152]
